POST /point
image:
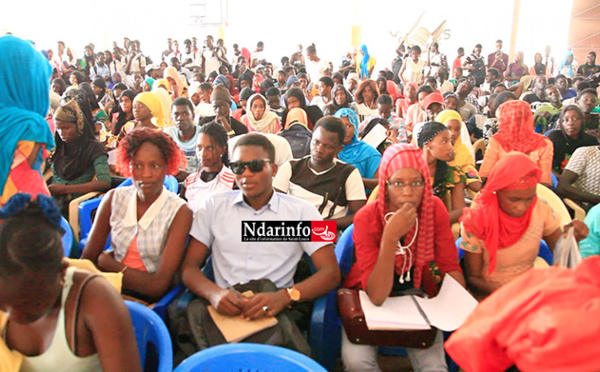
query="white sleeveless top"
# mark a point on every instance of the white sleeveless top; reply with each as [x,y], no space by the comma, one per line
[414,71]
[59,356]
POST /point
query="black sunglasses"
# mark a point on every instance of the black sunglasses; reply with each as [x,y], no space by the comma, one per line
[255,166]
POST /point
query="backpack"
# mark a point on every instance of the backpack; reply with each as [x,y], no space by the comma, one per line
[299,137]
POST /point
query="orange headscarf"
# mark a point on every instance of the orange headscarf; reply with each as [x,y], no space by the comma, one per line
[486,220]
[516,132]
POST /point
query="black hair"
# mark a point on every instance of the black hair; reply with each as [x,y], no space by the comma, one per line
[431,79]
[246,93]
[205,86]
[416,48]
[93,102]
[334,125]
[311,48]
[260,43]
[295,92]
[494,83]
[284,60]
[337,75]
[334,106]
[257,139]
[122,118]
[61,83]
[584,85]
[503,97]
[273,91]
[327,81]
[587,91]
[478,46]
[384,99]
[119,86]
[23,248]
[494,72]
[79,77]
[461,49]
[288,69]
[425,88]
[428,132]
[592,53]
[218,134]
[182,101]
[265,85]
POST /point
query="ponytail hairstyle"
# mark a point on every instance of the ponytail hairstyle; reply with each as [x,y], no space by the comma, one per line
[30,236]
[218,134]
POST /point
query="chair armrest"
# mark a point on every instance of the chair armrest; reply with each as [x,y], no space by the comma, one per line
[579,212]
[74,211]
[160,307]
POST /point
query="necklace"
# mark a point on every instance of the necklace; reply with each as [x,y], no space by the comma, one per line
[404,250]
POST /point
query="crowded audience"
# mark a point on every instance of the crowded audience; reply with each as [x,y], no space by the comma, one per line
[393,151]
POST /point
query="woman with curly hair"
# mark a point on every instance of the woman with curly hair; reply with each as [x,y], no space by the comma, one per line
[148,224]
[366,99]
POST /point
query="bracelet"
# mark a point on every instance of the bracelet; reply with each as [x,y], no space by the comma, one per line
[124,269]
[231,133]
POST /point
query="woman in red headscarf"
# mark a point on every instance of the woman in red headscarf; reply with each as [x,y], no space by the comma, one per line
[515,122]
[402,242]
[502,229]
[410,98]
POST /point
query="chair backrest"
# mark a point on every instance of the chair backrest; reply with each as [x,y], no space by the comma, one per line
[150,329]
[67,238]
[344,250]
[557,205]
[249,357]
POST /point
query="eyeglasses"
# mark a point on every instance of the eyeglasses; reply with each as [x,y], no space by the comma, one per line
[255,166]
[415,185]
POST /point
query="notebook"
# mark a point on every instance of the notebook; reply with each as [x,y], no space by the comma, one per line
[447,311]
[235,329]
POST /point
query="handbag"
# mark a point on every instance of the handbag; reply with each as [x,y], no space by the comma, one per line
[567,251]
[357,331]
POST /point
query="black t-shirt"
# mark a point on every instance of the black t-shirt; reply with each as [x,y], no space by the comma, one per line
[565,146]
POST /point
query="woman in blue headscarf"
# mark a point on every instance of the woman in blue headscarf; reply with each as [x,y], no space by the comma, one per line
[568,66]
[366,64]
[358,153]
[25,136]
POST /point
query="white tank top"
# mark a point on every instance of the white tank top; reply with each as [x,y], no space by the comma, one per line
[59,356]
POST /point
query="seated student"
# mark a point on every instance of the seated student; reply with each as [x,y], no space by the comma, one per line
[384,143]
[587,100]
[416,114]
[579,180]
[502,229]
[241,104]
[217,230]
[204,107]
[366,99]
[324,87]
[78,157]
[185,134]
[358,153]
[340,98]
[448,181]
[214,174]
[590,246]
[293,98]
[273,96]
[296,132]
[563,87]
[333,187]
[148,224]
[221,101]
[402,242]
[569,137]
[463,149]
[258,118]
[410,98]
[515,123]
[147,113]
[546,116]
[56,318]
[384,111]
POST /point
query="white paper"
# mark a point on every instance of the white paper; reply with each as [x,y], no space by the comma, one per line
[394,314]
[377,135]
[450,308]
[111,157]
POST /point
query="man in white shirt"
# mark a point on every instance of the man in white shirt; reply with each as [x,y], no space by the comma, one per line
[209,60]
[324,87]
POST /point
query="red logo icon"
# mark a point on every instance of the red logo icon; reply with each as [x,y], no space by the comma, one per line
[323,231]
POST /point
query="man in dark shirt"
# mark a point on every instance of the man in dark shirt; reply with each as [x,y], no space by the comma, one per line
[498,59]
[221,101]
[537,93]
[590,67]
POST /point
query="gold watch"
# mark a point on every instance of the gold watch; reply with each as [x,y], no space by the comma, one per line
[293,293]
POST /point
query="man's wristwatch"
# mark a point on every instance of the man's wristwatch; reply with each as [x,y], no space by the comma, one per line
[293,294]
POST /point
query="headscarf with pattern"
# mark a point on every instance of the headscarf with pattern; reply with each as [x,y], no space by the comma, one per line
[396,157]
[516,131]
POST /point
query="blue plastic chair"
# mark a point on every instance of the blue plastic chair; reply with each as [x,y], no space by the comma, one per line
[86,208]
[67,238]
[249,357]
[149,328]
